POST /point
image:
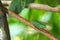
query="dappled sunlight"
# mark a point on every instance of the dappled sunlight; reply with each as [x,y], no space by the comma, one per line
[48,27]
[16,29]
[30,31]
[17,38]
[46,17]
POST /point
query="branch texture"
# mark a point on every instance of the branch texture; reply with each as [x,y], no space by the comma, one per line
[44,7]
[3,24]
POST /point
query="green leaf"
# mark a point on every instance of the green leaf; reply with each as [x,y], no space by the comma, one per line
[18,5]
[38,24]
[15,6]
[35,14]
[25,13]
[56,21]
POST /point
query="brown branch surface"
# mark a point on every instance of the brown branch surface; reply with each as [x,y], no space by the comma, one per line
[44,7]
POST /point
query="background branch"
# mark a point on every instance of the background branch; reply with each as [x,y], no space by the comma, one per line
[37,6]
[44,7]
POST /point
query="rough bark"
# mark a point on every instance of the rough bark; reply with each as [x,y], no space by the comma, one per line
[3,24]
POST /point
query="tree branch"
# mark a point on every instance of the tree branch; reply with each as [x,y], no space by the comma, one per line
[37,6]
[44,7]
[4,24]
[43,31]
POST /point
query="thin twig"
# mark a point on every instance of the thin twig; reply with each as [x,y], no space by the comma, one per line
[44,7]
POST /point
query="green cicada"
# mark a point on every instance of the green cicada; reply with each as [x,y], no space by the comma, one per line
[38,24]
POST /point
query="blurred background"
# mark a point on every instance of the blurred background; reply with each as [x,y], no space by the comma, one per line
[20,31]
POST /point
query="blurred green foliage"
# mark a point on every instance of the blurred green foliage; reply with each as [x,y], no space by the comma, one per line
[20,31]
[19,5]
